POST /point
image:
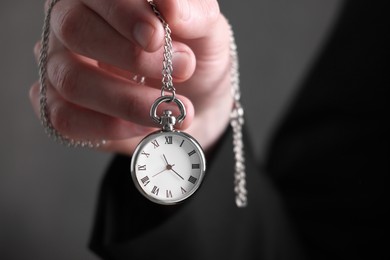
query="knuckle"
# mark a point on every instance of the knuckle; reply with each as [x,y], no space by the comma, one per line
[138,61]
[112,9]
[211,8]
[65,79]
[70,25]
[131,106]
[206,10]
[59,118]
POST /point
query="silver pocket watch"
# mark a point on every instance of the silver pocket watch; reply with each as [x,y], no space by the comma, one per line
[168,166]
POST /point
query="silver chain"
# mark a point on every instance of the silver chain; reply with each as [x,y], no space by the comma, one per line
[236,122]
[237,114]
[44,111]
[167,82]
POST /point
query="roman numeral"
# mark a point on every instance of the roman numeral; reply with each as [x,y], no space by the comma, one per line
[155,144]
[146,154]
[183,190]
[155,190]
[181,144]
[168,139]
[195,166]
[192,179]
[191,153]
[145,180]
[168,193]
[141,167]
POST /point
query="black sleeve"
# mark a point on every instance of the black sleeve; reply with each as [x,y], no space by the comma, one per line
[207,226]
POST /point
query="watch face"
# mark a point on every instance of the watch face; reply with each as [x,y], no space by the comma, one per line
[168,167]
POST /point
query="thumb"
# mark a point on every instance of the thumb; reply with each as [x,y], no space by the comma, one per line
[190,19]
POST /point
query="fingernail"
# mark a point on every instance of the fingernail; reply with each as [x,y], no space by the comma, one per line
[143,33]
[180,65]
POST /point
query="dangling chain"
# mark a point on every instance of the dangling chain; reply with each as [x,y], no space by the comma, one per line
[167,83]
[236,122]
[237,114]
[44,112]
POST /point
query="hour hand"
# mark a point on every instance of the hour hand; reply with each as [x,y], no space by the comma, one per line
[168,167]
[165,159]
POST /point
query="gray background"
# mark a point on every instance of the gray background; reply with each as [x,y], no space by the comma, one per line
[48,192]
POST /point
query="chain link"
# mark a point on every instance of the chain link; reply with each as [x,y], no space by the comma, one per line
[237,114]
[167,81]
[236,122]
[44,110]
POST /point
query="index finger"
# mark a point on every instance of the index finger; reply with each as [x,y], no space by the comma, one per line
[134,19]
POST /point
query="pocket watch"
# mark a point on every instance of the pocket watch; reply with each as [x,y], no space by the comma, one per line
[168,166]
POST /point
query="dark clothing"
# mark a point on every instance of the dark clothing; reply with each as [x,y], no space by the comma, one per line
[322,191]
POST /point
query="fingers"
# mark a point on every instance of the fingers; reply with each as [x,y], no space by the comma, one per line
[133,19]
[123,38]
[86,85]
[87,102]
[81,30]
[86,33]
[81,123]
[104,31]
[199,15]
[206,31]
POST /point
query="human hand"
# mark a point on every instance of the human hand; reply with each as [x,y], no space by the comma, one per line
[97,46]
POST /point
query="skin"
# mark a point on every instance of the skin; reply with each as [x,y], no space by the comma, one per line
[97,46]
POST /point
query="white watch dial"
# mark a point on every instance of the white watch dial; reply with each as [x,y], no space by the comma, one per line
[168,167]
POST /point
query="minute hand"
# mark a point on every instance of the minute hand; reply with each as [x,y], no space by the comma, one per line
[177,173]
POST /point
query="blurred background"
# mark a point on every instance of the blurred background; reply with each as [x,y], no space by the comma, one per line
[48,192]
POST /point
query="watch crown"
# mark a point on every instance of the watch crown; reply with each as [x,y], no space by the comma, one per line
[168,120]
